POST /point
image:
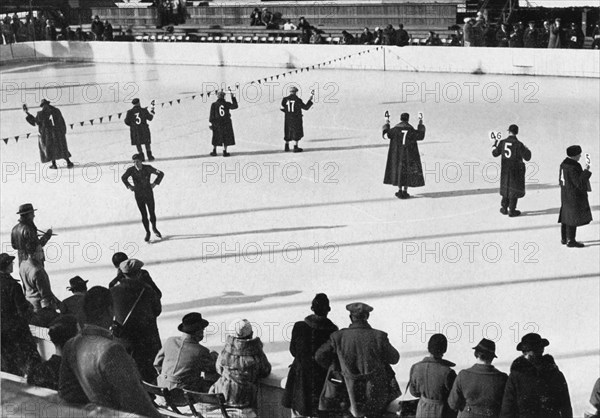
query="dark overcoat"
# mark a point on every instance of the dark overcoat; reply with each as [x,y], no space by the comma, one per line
[530,38]
[137,119]
[557,37]
[220,119]
[536,391]
[431,380]
[477,392]
[140,334]
[512,168]
[403,166]
[52,128]
[306,377]
[574,185]
[292,106]
[365,355]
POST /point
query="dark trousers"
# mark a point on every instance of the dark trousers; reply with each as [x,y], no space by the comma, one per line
[148,149]
[567,233]
[511,204]
[143,202]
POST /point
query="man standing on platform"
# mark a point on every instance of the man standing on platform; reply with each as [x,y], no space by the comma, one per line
[142,188]
[220,123]
[292,106]
[512,170]
[403,167]
[24,236]
[53,130]
[137,119]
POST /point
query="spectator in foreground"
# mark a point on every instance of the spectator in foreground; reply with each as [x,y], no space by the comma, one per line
[306,377]
[97,369]
[144,276]
[137,302]
[241,364]
[535,386]
[478,390]
[73,305]
[431,380]
[46,374]
[366,37]
[183,362]
[19,351]
[364,356]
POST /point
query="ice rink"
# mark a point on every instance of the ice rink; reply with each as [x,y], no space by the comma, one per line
[258,234]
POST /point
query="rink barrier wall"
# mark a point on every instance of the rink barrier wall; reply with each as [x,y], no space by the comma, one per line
[270,389]
[443,59]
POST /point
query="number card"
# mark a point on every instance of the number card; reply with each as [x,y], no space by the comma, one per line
[495,136]
[588,159]
[420,115]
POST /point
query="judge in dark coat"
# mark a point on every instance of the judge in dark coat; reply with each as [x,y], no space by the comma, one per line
[293,129]
[142,189]
[52,128]
[137,119]
[306,377]
[502,36]
[139,334]
[431,380]
[531,36]
[574,186]
[557,35]
[477,391]
[535,388]
[512,170]
[365,355]
[403,168]
[220,123]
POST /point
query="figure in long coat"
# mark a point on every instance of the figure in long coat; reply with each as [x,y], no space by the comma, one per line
[52,129]
[137,119]
[293,129]
[220,123]
[365,356]
[306,377]
[574,186]
[403,168]
[512,170]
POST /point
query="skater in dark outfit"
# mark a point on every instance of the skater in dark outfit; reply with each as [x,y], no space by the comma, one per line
[403,168]
[292,106]
[144,196]
[512,170]
[220,123]
[52,128]
[137,119]
[575,207]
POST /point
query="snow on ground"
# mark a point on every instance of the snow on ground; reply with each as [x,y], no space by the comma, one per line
[258,234]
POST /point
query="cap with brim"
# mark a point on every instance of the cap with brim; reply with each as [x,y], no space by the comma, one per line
[359,308]
[44,102]
[77,283]
[532,341]
[130,266]
[486,345]
[5,260]
[192,322]
[26,208]
[574,151]
[137,157]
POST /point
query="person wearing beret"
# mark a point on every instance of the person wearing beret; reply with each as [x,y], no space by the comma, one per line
[19,350]
[52,128]
[535,388]
[292,106]
[136,309]
[182,361]
[477,391]
[306,377]
[512,170]
[574,204]
[137,119]
[403,167]
[365,356]
[431,380]
[220,123]
[142,189]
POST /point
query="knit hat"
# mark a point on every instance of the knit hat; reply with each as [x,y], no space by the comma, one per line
[574,151]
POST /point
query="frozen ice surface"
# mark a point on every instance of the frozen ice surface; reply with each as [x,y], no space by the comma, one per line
[258,234]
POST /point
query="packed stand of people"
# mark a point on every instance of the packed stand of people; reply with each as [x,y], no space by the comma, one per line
[107,343]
